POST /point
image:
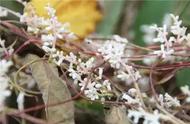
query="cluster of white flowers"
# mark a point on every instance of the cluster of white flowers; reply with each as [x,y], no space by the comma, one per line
[130,100]
[149,118]
[131,97]
[4,92]
[144,117]
[149,32]
[20,101]
[128,74]
[50,30]
[77,67]
[3,49]
[168,101]
[4,80]
[168,36]
[53,32]
[3,12]
[95,90]
[79,70]
[113,50]
[45,26]
[88,75]
[186,91]
[166,45]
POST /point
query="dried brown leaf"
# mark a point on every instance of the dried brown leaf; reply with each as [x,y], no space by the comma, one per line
[53,89]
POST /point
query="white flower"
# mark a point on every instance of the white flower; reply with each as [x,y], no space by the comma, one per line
[71,58]
[85,67]
[185,90]
[4,92]
[3,49]
[95,89]
[107,84]
[129,99]
[88,64]
[83,82]
[91,91]
[33,29]
[163,52]
[3,12]
[48,38]
[149,118]
[100,73]
[177,29]
[98,86]
[58,57]
[132,92]
[161,33]
[70,36]
[4,66]
[73,73]
[188,99]
[48,48]
[168,101]
[3,83]
[50,28]
[131,74]
[123,76]
[134,74]
[165,43]
[20,101]
[51,11]
[113,52]
[178,36]
[2,43]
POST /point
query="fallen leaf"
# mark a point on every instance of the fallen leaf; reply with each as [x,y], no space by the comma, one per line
[53,89]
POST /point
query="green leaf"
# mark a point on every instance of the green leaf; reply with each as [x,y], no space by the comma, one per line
[112,11]
[13,5]
[96,107]
[183,77]
[183,10]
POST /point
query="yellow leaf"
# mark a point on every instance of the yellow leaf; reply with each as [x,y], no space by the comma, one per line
[81,14]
